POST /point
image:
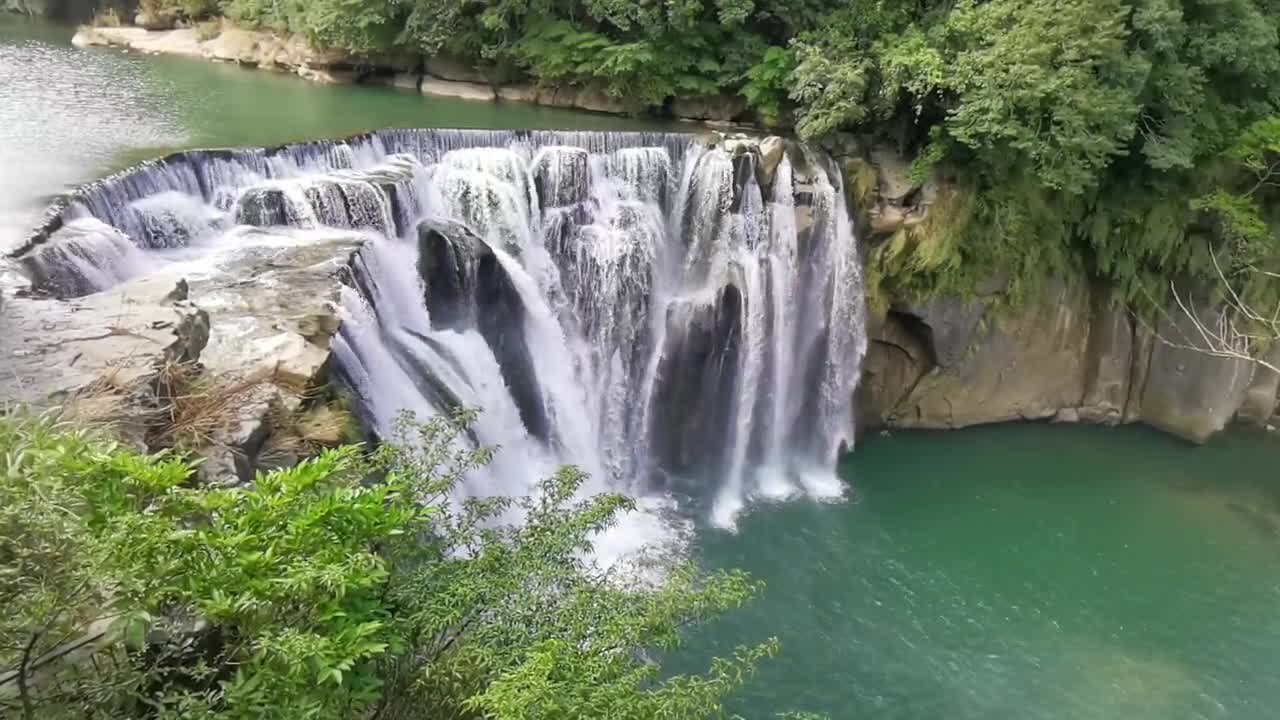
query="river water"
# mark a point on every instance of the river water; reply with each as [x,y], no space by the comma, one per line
[1020,571]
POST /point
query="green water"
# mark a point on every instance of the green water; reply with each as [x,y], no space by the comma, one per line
[1019,572]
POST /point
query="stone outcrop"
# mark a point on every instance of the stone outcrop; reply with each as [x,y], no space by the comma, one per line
[467,287]
[1067,355]
[694,405]
[252,330]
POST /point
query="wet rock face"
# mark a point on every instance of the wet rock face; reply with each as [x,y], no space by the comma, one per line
[561,177]
[467,287]
[265,207]
[694,406]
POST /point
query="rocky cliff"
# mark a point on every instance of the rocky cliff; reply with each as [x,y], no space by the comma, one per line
[1066,354]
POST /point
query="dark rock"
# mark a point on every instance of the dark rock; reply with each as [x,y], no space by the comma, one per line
[467,286]
[265,206]
[192,336]
[951,326]
[897,357]
[561,176]
[692,418]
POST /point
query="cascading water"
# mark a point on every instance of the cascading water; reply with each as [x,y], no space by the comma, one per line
[668,314]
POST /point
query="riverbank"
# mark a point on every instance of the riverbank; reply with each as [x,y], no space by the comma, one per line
[222,41]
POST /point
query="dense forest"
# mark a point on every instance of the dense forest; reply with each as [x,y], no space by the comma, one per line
[1123,138]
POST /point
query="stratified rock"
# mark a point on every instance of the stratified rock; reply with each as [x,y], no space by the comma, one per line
[254,321]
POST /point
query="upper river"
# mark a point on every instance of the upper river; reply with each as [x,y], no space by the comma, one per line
[1019,571]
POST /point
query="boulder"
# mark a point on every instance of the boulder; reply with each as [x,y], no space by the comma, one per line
[1189,393]
[772,150]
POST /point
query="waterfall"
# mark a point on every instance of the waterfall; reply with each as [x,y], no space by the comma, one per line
[672,315]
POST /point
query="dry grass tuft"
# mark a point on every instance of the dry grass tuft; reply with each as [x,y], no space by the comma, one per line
[194,407]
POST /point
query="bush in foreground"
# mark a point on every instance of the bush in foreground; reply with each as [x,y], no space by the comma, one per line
[349,586]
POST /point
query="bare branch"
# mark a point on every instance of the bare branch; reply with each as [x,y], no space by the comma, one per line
[1222,336]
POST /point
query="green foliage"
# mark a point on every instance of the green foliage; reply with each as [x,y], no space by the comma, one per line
[351,585]
[768,83]
[53,586]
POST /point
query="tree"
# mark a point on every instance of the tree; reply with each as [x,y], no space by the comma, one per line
[1244,275]
[351,585]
